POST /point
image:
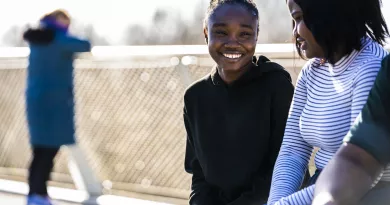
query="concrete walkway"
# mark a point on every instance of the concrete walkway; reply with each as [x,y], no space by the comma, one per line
[14,199]
[14,193]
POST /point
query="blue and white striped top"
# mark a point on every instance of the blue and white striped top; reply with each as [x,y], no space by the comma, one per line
[326,101]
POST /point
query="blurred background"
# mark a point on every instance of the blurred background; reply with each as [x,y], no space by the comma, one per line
[128,90]
[136,22]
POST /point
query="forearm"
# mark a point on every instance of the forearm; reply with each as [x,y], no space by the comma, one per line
[249,200]
[302,197]
[203,197]
[347,177]
[258,195]
[287,177]
[202,193]
[345,188]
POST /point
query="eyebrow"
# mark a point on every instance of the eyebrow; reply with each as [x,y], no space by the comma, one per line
[224,24]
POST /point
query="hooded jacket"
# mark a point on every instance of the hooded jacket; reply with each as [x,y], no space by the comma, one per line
[234,133]
[49,92]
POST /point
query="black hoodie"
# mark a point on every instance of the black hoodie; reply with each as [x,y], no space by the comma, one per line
[234,133]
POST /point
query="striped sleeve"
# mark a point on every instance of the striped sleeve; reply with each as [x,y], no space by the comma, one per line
[295,152]
[303,197]
[362,84]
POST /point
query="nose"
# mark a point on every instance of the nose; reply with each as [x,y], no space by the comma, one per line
[232,42]
[295,33]
[294,30]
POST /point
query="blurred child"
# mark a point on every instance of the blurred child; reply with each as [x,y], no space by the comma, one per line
[49,96]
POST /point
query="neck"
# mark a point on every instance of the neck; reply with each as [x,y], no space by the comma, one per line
[338,55]
[230,76]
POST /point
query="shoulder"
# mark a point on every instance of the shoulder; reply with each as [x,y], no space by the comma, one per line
[385,67]
[370,57]
[383,77]
[197,87]
[272,69]
[367,64]
[278,79]
[386,60]
[61,37]
[373,48]
[311,65]
[276,73]
[66,38]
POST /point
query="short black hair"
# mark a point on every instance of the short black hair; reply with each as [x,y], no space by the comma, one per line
[340,25]
[215,4]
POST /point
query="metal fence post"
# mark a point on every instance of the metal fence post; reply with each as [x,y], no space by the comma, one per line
[184,74]
[82,174]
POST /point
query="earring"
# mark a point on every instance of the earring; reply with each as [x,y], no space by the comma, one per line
[322,61]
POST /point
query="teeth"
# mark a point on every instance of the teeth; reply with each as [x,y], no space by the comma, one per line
[233,56]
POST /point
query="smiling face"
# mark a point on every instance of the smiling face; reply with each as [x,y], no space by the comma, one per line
[231,35]
[304,37]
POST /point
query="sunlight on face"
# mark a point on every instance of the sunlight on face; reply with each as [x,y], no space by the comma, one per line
[324,198]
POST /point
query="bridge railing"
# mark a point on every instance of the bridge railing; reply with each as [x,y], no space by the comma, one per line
[128,116]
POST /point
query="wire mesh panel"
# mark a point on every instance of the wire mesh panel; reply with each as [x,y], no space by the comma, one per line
[128,119]
[129,123]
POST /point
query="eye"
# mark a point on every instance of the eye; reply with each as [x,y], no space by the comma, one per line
[220,33]
[246,34]
[298,18]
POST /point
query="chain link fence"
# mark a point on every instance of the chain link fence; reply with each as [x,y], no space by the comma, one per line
[128,117]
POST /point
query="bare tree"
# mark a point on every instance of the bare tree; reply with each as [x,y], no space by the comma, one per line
[194,34]
[274,13]
[136,35]
[89,32]
[92,35]
[168,26]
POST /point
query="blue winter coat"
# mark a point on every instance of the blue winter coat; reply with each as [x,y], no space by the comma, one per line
[49,93]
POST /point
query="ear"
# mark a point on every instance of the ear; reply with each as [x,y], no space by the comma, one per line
[206,37]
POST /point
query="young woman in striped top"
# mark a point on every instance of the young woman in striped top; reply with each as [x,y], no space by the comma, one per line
[343,40]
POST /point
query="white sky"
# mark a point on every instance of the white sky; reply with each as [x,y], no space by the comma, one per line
[109,17]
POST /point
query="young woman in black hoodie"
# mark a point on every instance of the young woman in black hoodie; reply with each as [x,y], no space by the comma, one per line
[235,116]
